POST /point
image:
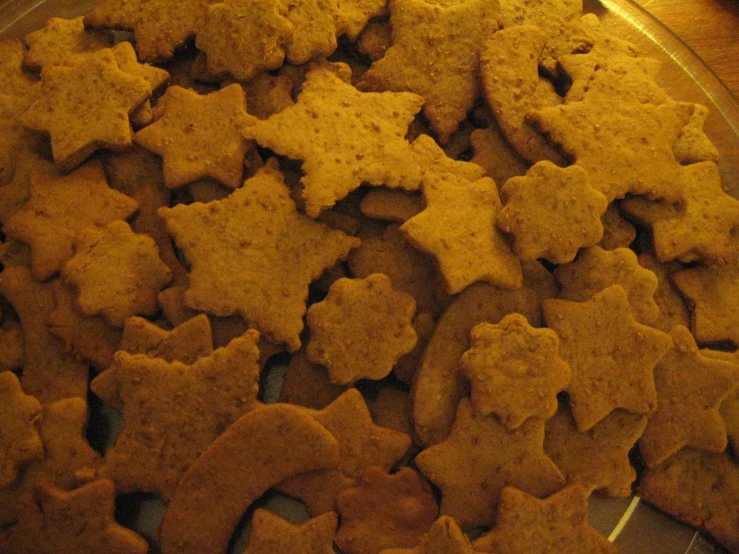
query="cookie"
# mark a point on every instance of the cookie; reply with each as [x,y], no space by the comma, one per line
[15,80]
[690,389]
[86,107]
[445,71]
[199,136]
[435,160]
[133,170]
[267,445]
[385,511]
[611,355]
[55,521]
[693,145]
[551,212]
[20,416]
[480,457]
[405,368]
[60,40]
[444,536]
[361,329]
[73,202]
[617,231]
[317,23]
[308,384]
[558,523]
[495,155]
[391,205]
[268,94]
[457,228]
[514,370]
[672,309]
[392,408]
[375,39]
[375,152]
[270,534]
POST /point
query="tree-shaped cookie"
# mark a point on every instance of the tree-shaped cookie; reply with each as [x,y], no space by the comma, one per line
[690,389]
[514,370]
[373,149]
[457,227]
[445,536]
[270,534]
[701,228]
[254,254]
[480,457]
[86,107]
[553,525]
[611,355]
[361,329]
[117,273]
[20,415]
[551,212]
[243,37]
[445,70]
[199,136]
[82,520]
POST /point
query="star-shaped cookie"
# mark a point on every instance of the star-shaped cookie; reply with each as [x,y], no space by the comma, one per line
[82,520]
[457,227]
[86,107]
[20,415]
[444,537]
[270,534]
[611,355]
[445,71]
[372,125]
[690,389]
[480,457]
[254,254]
[59,40]
[200,136]
[59,208]
[553,525]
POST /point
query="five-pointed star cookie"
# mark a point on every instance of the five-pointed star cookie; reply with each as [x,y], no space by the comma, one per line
[254,254]
[60,40]
[553,525]
[445,71]
[480,457]
[597,459]
[86,107]
[55,521]
[373,148]
[59,208]
[161,399]
[457,227]
[20,415]
[611,355]
[701,228]
[690,389]
[270,534]
[444,537]
[200,136]
[625,148]
[361,444]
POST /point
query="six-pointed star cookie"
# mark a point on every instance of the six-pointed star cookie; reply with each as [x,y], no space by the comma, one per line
[444,537]
[457,227]
[254,254]
[200,136]
[553,525]
[54,520]
[445,71]
[373,148]
[611,355]
[59,208]
[86,107]
[479,458]
[20,415]
[690,389]
[270,534]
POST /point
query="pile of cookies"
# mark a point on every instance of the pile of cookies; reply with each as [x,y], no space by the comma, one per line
[485,256]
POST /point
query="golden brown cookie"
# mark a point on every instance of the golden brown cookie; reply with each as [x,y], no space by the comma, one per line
[60,40]
[375,39]
[270,534]
[480,457]
[597,459]
[374,124]
[435,160]
[596,269]
[553,525]
[272,254]
[514,370]
[672,309]
[133,170]
[308,384]
[317,23]
[444,537]
[551,212]
[268,94]
[385,511]
[617,232]
[20,415]
[55,521]
[361,329]
[14,79]
[59,208]
[690,389]
[693,145]
[391,205]
[495,155]
[457,227]
[611,355]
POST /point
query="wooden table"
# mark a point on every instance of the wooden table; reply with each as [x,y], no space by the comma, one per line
[709,27]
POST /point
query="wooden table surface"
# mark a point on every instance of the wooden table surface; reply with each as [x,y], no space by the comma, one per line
[709,27]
